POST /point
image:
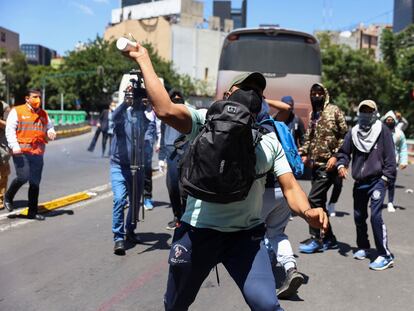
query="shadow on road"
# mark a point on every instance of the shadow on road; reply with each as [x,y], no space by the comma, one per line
[155,241]
[341,214]
[160,203]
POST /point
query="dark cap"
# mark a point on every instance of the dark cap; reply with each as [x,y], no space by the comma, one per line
[254,79]
[288,100]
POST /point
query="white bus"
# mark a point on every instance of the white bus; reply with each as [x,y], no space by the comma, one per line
[290,61]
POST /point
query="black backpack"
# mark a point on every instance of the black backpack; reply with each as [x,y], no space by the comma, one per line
[219,165]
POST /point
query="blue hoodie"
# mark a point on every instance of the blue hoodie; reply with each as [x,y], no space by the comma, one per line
[366,167]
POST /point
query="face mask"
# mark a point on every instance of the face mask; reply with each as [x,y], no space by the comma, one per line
[317,102]
[177,100]
[391,125]
[35,103]
[365,120]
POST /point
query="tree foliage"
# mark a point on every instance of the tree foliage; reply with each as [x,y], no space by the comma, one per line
[91,75]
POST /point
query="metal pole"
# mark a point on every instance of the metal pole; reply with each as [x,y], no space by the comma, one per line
[43,93]
[61,102]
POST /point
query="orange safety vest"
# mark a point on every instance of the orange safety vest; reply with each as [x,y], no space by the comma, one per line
[31,129]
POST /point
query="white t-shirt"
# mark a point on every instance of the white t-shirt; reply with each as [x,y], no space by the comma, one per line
[241,215]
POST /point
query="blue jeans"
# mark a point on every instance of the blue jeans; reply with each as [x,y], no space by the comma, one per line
[28,168]
[121,179]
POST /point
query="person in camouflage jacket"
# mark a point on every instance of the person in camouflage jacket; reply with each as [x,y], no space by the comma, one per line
[325,135]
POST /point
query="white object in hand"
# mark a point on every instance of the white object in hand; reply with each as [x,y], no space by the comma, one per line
[125,45]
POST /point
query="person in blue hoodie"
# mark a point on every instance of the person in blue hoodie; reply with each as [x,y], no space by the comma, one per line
[121,177]
[371,147]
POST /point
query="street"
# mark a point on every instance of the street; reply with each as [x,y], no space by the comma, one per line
[67,263]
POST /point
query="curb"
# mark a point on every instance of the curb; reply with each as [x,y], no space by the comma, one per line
[71,199]
[73,132]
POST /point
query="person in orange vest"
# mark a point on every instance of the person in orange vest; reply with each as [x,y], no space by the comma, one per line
[28,129]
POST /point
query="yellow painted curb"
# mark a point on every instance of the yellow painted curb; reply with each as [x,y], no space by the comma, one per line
[60,202]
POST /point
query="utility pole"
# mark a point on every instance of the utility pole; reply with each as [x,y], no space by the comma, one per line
[61,102]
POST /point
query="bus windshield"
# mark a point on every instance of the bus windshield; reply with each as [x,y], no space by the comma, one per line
[275,54]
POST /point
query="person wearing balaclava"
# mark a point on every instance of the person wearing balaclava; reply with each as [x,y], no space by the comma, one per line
[390,120]
[324,136]
[370,146]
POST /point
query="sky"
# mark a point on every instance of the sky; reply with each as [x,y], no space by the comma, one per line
[60,24]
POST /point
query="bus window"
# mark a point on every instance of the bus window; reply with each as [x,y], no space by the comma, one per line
[289,60]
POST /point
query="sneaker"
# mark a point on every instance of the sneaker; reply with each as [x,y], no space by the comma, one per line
[173,224]
[291,284]
[331,210]
[311,246]
[390,208]
[361,254]
[381,263]
[148,204]
[330,244]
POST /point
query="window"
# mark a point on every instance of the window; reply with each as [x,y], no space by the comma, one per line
[3,37]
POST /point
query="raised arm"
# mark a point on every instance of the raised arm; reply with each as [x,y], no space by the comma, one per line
[176,115]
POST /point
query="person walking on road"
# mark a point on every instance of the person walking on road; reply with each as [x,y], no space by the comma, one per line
[231,233]
[325,134]
[4,152]
[102,127]
[28,129]
[152,135]
[370,146]
[173,157]
[276,214]
[121,176]
[401,153]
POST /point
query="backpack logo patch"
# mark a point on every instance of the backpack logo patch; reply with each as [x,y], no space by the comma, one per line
[232,109]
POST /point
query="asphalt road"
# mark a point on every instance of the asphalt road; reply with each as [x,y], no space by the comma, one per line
[66,262]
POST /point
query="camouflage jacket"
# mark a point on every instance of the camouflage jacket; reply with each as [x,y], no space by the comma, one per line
[325,135]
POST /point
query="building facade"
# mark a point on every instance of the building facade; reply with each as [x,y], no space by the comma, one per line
[403,14]
[9,40]
[362,37]
[37,54]
[176,34]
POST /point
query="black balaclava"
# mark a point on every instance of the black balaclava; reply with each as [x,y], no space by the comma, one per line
[248,98]
[318,102]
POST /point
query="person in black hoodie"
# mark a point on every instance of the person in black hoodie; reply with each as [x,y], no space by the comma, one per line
[371,147]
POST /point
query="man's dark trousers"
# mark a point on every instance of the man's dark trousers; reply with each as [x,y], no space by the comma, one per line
[321,182]
[362,192]
[242,253]
[28,169]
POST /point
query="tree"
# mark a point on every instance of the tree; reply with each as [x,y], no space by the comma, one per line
[350,75]
[17,76]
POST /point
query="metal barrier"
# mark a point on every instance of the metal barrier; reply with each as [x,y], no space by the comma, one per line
[61,117]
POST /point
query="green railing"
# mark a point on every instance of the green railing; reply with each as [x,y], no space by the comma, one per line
[61,117]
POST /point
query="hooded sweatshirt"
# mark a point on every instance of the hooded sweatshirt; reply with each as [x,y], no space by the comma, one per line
[325,133]
[400,142]
[378,163]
